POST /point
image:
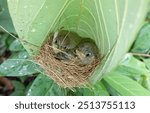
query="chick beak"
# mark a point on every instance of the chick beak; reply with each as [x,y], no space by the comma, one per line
[80,54]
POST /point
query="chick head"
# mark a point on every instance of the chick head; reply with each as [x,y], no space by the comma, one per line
[64,40]
[87,51]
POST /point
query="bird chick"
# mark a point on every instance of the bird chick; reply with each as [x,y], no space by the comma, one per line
[87,51]
[64,40]
[66,55]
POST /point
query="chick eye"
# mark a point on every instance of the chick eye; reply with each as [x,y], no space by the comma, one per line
[88,54]
[55,42]
[65,47]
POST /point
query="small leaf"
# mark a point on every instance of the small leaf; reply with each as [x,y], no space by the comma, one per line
[100,89]
[16,46]
[145,82]
[18,67]
[5,19]
[135,69]
[3,46]
[19,89]
[147,62]
[1,9]
[142,43]
[56,90]
[148,16]
[97,90]
[132,67]
[110,89]
[124,85]
[43,85]
[20,55]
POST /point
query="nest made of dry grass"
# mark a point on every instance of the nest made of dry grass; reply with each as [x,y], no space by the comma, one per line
[66,74]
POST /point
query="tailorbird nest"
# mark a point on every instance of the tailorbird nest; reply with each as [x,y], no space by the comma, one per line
[67,74]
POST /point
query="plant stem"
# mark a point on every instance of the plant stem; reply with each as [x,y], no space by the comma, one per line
[140,54]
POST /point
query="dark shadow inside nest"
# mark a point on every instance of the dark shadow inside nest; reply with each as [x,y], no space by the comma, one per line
[65,73]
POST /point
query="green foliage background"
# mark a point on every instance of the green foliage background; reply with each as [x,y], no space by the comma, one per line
[112,24]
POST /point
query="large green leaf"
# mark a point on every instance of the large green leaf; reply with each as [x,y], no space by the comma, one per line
[18,67]
[96,90]
[130,66]
[43,86]
[5,19]
[113,24]
[124,85]
[135,69]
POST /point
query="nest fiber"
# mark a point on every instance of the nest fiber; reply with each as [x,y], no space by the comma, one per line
[65,73]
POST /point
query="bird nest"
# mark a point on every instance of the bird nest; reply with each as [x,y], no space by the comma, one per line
[67,74]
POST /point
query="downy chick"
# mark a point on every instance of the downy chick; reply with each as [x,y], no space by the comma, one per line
[87,51]
[64,43]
